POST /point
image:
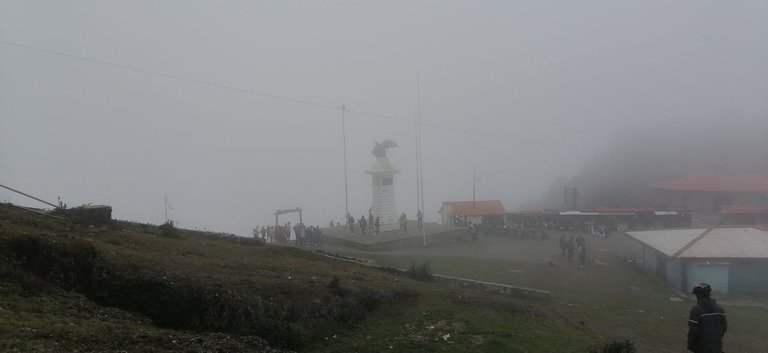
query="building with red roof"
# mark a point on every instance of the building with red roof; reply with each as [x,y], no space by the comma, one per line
[716,183]
[472,211]
[708,194]
[743,215]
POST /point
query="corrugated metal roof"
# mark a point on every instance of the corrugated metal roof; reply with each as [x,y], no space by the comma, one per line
[578,213]
[730,243]
[668,241]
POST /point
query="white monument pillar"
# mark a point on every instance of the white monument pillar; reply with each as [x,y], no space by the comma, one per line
[383,182]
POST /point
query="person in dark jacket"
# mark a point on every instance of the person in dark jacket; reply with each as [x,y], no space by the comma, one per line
[363,224]
[563,246]
[706,323]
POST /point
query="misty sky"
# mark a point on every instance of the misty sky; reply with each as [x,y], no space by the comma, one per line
[566,73]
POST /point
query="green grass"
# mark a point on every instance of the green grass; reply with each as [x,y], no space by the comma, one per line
[461,322]
[613,301]
[370,311]
[64,321]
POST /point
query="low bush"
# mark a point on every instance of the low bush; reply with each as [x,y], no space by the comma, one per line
[625,346]
[422,272]
[168,229]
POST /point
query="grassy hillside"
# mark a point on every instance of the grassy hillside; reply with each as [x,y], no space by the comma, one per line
[130,287]
[608,296]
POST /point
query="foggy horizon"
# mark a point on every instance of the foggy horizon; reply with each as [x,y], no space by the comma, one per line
[525,93]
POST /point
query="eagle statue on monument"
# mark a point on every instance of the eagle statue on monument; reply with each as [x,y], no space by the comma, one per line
[380,149]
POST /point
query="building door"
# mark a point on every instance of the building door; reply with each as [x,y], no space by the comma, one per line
[713,273]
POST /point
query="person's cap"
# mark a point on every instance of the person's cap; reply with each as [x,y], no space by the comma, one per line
[702,288]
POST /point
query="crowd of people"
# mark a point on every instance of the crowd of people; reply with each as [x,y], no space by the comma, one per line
[460,221]
[302,235]
[372,225]
[588,225]
[510,230]
[569,247]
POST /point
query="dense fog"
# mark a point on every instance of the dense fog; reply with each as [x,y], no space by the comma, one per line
[230,109]
[643,156]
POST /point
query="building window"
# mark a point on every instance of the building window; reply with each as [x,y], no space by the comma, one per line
[386,181]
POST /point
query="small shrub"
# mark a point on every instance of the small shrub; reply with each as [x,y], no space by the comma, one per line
[168,229]
[625,346]
[335,287]
[421,272]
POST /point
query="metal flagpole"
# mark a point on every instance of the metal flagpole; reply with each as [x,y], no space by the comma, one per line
[346,189]
[418,165]
[474,186]
[419,158]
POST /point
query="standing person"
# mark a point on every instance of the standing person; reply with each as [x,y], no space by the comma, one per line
[363,224]
[563,245]
[309,236]
[419,219]
[377,224]
[580,242]
[583,255]
[706,322]
[404,223]
[350,224]
[569,247]
[297,232]
[289,234]
[370,218]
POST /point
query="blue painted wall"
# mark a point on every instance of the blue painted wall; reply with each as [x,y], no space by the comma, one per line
[749,276]
[649,259]
[675,273]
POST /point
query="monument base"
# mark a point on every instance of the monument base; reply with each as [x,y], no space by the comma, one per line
[435,234]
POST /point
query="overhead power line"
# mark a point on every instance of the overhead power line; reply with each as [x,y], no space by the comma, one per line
[315,104]
[169,76]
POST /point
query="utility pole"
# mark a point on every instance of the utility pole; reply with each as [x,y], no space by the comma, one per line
[346,188]
[474,186]
[419,160]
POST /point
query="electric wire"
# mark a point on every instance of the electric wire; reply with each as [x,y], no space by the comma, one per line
[359,113]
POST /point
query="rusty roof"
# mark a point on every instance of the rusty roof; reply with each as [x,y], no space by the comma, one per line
[716,183]
[742,209]
[476,208]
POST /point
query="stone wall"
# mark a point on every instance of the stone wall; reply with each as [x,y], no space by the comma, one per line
[457,281]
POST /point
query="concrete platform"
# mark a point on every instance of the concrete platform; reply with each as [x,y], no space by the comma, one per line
[435,234]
